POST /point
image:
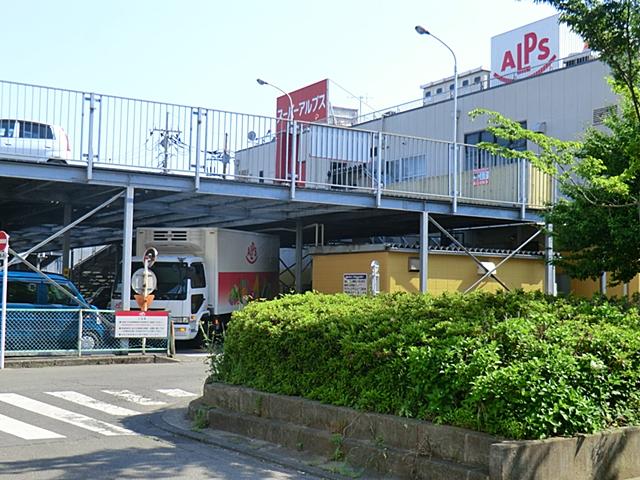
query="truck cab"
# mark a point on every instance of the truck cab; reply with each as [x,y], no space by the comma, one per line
[181,290]
[204,274]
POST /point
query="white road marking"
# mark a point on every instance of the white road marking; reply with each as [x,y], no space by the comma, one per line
[134,397]
[63,415]
[89,402]
[24,430]
[176,392]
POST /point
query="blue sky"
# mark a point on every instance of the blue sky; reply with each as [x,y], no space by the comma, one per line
[208,53]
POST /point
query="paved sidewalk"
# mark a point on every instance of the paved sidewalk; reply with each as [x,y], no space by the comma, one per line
[31,362]
[176,421]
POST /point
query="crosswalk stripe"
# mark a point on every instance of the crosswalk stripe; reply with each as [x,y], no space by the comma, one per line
[24,430]
[134,397]
[63,415]
[176,392]
[89,402]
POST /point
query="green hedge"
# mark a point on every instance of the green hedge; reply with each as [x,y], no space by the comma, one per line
[512,364]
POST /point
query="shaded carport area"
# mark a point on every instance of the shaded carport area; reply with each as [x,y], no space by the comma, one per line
[38,201]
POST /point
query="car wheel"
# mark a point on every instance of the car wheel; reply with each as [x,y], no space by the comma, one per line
[89,341]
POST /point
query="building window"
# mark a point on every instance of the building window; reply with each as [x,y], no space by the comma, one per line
[476,158]
[476,80]
[438,90]
[427,94]
[452,86]
[406,169]
[465,83]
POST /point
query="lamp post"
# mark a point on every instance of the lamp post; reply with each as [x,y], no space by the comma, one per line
[424,31]
[293,146]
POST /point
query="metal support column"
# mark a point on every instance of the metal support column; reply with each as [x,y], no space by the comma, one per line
[424,252]
[92,109]
[298,267]
[66,242]
[454,205]
[603,283]
[198,114]
[379,170]
[127,246]
[294,161]
[549,269]
[524,166]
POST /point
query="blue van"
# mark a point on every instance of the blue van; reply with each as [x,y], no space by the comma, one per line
[42,317]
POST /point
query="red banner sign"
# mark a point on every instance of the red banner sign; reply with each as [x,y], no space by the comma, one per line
[310,103]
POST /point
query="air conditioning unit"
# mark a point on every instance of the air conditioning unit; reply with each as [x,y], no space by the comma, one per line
[490,266]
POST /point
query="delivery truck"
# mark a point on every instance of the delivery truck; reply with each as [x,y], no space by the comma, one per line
[204,274]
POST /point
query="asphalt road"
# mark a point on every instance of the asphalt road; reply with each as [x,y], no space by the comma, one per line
[101,421]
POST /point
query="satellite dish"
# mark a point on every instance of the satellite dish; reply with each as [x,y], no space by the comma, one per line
[252,135]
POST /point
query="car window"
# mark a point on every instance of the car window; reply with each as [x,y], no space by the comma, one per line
[35,130]
[198,279]
[54,295]
[22,292]
[6,128]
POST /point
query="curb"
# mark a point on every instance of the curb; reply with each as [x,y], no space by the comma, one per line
[176,422]
[86,360]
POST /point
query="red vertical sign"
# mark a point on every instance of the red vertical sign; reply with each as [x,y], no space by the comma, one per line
[4,241]
[310,104]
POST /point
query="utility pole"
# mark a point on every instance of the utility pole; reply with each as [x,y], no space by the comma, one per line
[166,134]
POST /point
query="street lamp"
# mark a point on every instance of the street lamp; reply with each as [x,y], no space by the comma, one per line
[290,118]
[290,114]
[424,31]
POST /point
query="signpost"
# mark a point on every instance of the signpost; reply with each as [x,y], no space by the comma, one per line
[143,324]
[4,256]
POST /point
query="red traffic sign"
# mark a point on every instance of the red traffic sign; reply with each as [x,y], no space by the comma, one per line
[4,240]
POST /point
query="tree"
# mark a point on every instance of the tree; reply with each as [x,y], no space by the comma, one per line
[597,224]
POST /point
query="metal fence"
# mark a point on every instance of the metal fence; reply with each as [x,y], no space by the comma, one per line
[69,332]
[114,132]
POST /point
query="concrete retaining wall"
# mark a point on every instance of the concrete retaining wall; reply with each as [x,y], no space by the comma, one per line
[409,448]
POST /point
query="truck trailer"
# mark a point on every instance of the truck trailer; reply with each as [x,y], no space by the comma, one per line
[204,274]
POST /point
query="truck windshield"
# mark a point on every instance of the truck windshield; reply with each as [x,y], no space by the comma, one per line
[171,276]
[172,279]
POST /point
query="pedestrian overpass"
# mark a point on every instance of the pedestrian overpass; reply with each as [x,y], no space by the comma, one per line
[134,162]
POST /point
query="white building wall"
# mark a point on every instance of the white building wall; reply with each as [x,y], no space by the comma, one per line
[565,99]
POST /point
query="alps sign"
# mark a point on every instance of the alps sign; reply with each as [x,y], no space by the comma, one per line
[526,51]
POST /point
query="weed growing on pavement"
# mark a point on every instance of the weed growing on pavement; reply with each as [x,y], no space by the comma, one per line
[199,420]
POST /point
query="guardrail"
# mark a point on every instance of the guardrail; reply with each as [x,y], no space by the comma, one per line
[105,131]
[31,332]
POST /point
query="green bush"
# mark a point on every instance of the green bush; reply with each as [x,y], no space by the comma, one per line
[519,365]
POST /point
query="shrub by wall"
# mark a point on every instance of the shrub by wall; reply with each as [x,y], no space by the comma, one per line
[519,365]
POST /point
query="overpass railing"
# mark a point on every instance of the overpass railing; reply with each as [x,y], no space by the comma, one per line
[104,131]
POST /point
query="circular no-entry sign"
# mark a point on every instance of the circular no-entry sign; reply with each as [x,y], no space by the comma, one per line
[4,241]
